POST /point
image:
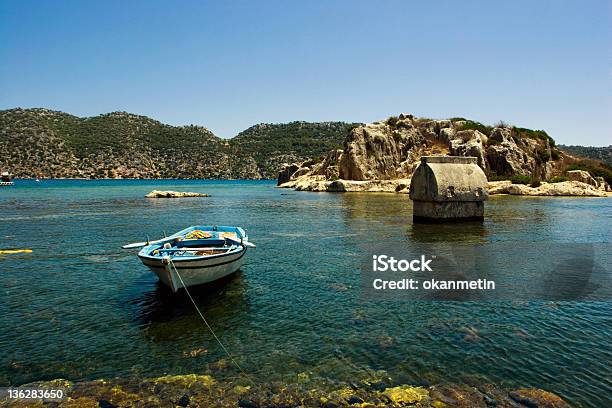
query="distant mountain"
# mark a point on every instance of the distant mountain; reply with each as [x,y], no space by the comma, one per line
[272,145]
[598,153]
[46,143]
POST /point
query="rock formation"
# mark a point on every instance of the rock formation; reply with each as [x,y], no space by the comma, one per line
[284,175]
[173,194]
[602,184]
[391,149]
[582,176]
[381,156]
[564,188]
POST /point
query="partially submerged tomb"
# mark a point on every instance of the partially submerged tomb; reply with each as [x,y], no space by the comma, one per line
[448,188]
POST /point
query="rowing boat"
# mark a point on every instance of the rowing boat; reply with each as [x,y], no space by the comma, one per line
[196,255]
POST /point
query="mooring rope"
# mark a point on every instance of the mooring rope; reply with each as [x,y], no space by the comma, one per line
[206,322]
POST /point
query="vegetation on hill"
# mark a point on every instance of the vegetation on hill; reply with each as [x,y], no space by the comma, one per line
[589,152]
[46,143]
[272,145]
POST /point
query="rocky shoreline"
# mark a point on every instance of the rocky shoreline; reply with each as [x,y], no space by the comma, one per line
[194,390]
[402,186]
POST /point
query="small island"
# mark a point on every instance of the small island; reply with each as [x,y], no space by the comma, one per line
[381,157]
[174,194]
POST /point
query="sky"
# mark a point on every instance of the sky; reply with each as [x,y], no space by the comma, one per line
[228,65]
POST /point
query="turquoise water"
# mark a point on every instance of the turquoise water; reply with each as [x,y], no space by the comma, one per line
[79,307]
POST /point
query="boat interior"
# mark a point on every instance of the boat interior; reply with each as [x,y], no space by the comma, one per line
[200,241]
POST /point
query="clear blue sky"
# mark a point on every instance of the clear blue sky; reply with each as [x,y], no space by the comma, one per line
[230,64]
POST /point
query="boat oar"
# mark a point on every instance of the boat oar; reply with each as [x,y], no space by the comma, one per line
[141,244]
[134,245]
[245,243]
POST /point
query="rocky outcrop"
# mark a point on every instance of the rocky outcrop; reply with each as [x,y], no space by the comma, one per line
[381,150]
[391,149]
[173,194]
[602,184]
[319,183]
[582,176]
[284,175]
[564,188]
[471,143]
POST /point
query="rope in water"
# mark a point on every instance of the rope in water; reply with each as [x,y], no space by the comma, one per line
[208,325]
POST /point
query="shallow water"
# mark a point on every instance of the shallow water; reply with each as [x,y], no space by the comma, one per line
[79,307]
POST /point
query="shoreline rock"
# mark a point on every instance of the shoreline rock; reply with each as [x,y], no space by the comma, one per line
[319,183]
[193,390]
[173,194]
[564,188]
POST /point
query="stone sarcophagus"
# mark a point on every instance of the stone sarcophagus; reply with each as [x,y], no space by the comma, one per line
[448,188]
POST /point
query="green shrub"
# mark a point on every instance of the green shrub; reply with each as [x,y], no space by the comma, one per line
[493,176]
[520,179]
[392,121]
[542,155]
[557,179]
[535,183]
[534,134]
[554,153]
[473,125]
[502,124]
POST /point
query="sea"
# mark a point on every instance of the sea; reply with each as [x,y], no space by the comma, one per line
[79,307]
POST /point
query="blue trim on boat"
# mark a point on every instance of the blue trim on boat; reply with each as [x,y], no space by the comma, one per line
[178,264]
[185,260]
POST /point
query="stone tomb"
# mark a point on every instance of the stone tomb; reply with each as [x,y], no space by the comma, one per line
[448,188]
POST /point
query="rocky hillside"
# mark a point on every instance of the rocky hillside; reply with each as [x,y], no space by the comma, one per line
[603,154]
[390,150]
[272,145]
[52,144]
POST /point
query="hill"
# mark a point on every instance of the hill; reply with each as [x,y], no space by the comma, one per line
[53,144]
[597,153]
[272,145]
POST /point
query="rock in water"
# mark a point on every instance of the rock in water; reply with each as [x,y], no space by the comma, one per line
[173,194]
[564,188]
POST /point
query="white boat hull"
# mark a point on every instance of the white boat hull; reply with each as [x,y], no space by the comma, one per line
[195,272]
